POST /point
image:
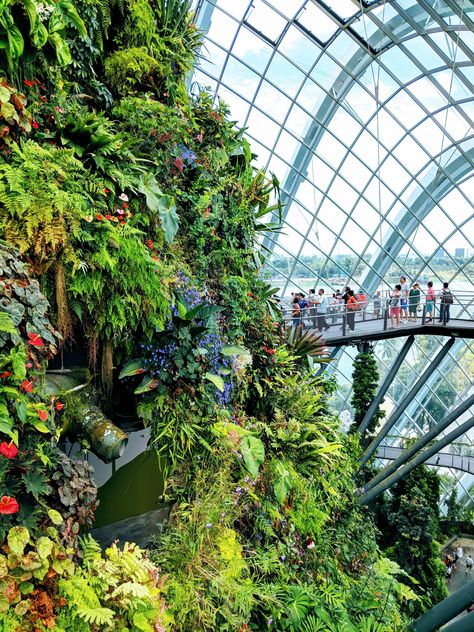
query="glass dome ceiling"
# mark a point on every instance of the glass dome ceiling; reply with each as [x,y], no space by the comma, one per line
[364,111]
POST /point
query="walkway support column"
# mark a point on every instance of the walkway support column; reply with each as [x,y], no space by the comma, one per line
[385,385]
[424,440]
[446,610]
[401,408]
[418,460]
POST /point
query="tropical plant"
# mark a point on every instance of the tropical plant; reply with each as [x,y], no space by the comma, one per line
[20,35]
[365,382]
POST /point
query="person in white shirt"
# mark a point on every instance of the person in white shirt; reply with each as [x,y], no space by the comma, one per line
[469,563]
[322,310]
[404,300]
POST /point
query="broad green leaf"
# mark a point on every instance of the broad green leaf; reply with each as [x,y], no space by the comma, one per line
[217,380]
[69,10]
[133,367]
[149,383]
[234,350]
[181,309]
[63,54]
[26,588]
[21,411]
[18,538]
[18,356]
[202,351]
[44,546]
[15,39]
[41,427]
[40,36]
[32,13]
[163,205]
[4,96]
[55,516]
[253,452]
[8,112]
[281,483]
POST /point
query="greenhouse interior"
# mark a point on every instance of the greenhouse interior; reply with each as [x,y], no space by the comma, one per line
[236,315]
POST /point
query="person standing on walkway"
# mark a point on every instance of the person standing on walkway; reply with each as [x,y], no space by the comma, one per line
[313,307]
[296,312]
[404,299]
[322,310]
[445,302]
[430,302]
[351,307]
[469,562]
[377,298]
[395,309]
[413,301]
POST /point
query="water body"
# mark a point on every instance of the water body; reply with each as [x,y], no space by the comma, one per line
[130,489]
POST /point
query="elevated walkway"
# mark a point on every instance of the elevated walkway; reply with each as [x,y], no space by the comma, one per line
[442,459]
[371,321]
[372,330]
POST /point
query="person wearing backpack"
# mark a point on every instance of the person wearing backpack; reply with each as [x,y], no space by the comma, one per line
[445,302]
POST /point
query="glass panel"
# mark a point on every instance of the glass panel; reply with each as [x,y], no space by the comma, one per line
[317,22]
[222,29]
[272,101]
[252,49]
[266,21]
[299,48]
[285,75]
[241,78]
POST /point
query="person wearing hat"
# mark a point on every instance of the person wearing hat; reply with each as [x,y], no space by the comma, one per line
[413,301]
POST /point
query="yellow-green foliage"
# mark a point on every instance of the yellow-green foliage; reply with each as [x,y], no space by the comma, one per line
[231,552]
[40,201]
[129,69]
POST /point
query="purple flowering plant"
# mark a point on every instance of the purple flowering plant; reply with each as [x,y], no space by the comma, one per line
[190,349]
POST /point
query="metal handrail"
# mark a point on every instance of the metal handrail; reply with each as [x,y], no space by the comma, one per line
[338,315]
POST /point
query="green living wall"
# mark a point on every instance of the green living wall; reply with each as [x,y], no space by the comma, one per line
[130,214]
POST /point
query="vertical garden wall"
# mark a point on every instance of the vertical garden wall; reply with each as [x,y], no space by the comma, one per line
[130,214]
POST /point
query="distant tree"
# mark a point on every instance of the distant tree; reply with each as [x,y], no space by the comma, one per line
[414,517]
[365,382]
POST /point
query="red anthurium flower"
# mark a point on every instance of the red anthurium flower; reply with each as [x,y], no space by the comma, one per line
[59,406]
[108,217]
[5,374]
[8,505]
[8,449]
[125,205]
[106,190]
[27,386]
[35,340]
[99,217]
[28,365]
[43,414]
[35,125]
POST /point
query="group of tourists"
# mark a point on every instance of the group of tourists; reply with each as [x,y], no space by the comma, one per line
[405,303]
[320,311]
[454,558]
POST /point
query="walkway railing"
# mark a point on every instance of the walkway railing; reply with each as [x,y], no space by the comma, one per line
[337,316]
[442,459]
